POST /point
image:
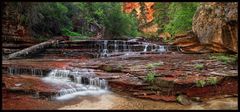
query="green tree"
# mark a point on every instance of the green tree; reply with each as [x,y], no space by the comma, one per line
[180,15]
[47,19]
[161,16]
[119,23]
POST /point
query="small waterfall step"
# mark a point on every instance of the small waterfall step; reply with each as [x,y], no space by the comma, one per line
[27,71]
[76,81]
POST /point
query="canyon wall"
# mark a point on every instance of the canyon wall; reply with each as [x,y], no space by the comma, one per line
[214,29]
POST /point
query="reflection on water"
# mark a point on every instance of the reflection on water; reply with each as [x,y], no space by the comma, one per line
[115,101]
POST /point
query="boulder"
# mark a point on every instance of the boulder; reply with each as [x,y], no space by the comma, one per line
[214,29]
[215,24]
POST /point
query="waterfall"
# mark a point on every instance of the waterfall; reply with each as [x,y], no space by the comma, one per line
[105,49]
[124,46]
[154,47]
[145,48]
[115,46]
[161,49]
[76,81]
[30,71]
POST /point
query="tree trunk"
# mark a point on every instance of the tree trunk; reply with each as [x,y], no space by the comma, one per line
[32,49]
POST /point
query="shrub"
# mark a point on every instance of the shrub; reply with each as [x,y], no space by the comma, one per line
[180,15]
[225,58]
[208,81]
[74,19]
[199,66]
[200,83]
[67,32]
[212,80]
[150,77]
[153,65]
[168,40]
[79,38]
[108,68]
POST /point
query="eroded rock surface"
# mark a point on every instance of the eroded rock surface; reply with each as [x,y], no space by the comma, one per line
[174,74]
[214,28]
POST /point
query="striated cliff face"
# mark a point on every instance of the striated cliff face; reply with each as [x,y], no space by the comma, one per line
[214,28]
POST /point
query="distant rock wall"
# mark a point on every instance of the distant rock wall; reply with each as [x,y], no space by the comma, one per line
[148,27]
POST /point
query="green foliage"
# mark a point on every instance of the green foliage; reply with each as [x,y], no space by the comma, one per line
[153,65]
[119,67]
[81,37]
[67,32]
[75,19]
[199,66]
[161,16]
[118,23]
[174,17]
[208,81]
[200,83]
[225,58]
[108,68]
[212,80]
[179,98]
[168,40]
[150,77]
[150,35]
[180,15]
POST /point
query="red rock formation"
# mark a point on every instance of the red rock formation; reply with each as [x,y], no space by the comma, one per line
[214,28]
[150,11]
[216,24]
[128,7]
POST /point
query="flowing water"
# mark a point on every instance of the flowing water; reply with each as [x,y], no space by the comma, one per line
[127,48]
[84,85]
[145,48]
[76,82]
[31,71]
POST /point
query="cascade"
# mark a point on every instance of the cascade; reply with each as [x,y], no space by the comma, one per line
[124,46]
[145,48]
[161,49]
[105,49]
[115,46]
[19,71]
[76,80]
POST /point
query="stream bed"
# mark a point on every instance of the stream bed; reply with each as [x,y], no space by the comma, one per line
[112,75]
